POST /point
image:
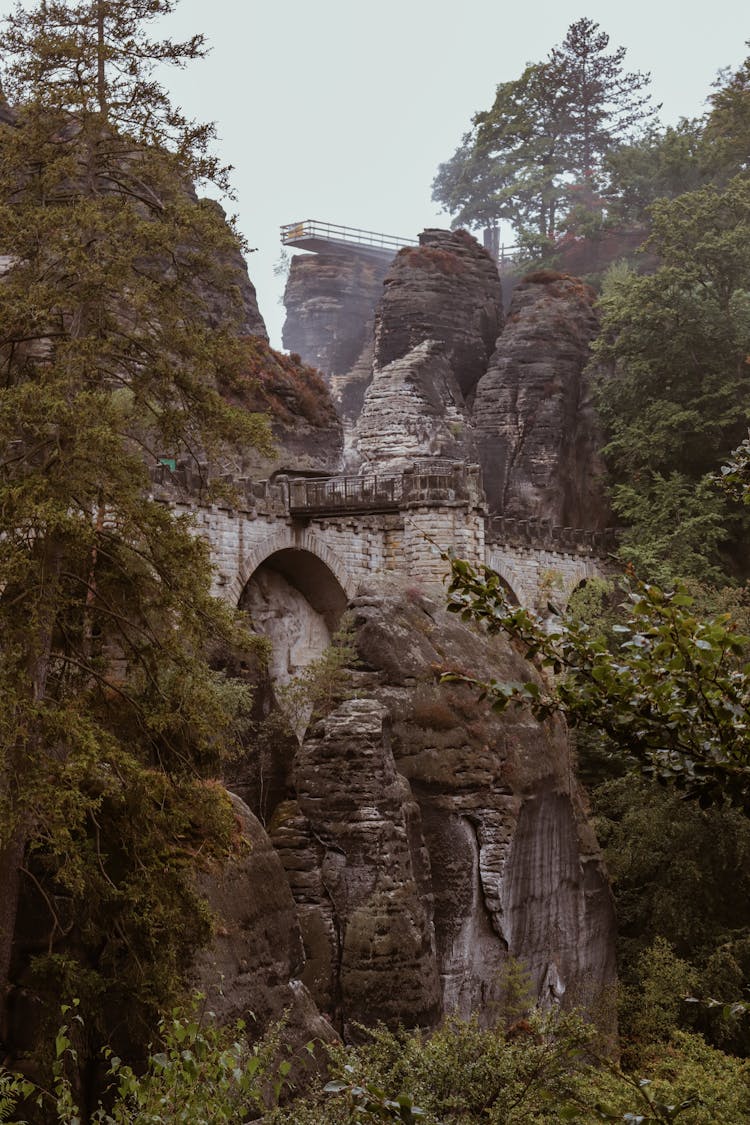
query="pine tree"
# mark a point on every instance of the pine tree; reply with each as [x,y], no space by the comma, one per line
[110,712]
[547,132]
[508,167]
[601,102]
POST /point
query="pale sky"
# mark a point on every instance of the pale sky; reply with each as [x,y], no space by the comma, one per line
[341,110]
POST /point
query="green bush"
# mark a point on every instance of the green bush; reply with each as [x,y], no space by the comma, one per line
[200,1074]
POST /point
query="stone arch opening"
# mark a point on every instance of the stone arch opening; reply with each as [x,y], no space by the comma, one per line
[296,601]
[510,593]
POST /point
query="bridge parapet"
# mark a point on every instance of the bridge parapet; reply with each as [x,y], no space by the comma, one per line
[425,483]
[543,535]
[188,480]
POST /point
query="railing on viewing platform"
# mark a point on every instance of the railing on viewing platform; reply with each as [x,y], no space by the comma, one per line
[314,231]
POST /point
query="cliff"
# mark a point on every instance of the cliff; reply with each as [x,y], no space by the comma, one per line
[435,329]
[535,427]
[428,841]
[330,303]
[438,373]
[306,431]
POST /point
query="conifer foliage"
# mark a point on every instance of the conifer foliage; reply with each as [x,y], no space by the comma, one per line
[110,714]
[535,158]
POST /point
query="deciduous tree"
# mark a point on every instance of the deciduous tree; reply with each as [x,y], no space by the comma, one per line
[672,382]
[674,697]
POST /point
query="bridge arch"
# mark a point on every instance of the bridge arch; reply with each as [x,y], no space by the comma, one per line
[295,597]
[292,539]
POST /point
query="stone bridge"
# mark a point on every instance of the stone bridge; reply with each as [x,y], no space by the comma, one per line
[326,536]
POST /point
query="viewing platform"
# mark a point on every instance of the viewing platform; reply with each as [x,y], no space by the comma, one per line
[322,238]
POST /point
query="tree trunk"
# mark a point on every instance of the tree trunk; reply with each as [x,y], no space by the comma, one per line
[11,861]
[26,750]
[101,86]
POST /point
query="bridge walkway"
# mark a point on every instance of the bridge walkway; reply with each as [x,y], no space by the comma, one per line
[427,482]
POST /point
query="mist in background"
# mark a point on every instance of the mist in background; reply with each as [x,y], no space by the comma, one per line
[341,110]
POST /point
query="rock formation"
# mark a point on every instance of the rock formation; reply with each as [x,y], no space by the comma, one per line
[247,315]
[330,302]
[427,841]
[435,329]
[413,408]
[251,971]
[534,423]
[307,434]
[348,842]
[447,289]
[440,376]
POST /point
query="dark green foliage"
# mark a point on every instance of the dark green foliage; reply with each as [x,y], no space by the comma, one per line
[673,698]
[535,158]
[728,124]
[196,1074]
[111,712]
[680,872]
[681,876]
[672,384]
[461,1072]
[660,164]
[508,167]
[546,1069]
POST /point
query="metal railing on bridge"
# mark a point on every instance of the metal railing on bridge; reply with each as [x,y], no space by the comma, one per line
[312,234]
[345,494]
[432,481]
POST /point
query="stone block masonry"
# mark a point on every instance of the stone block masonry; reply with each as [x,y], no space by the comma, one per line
[407,540]
[537,576]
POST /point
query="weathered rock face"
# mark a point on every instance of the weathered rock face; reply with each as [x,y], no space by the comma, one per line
[428,840]
[367,920]
[447,289]
[330,302]
[298,634]
[435,329]
[307,433]
[413,408]
[348,393]
[252,969]
[534,424]
[251,322]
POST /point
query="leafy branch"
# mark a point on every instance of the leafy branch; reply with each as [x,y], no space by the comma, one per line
[674,696]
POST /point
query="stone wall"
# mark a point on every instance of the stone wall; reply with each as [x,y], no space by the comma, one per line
[353,547]
[539,576]
[408,543]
